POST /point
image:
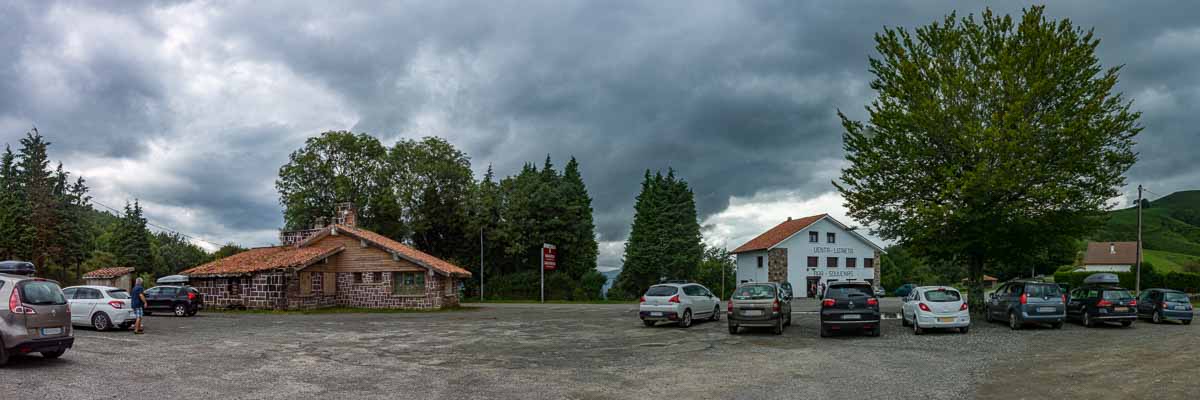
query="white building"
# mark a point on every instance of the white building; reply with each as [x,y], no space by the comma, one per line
[1109,257]
[808,252]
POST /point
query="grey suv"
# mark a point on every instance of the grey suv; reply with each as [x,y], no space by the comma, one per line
[761,304]
[37,318]
[1024,302]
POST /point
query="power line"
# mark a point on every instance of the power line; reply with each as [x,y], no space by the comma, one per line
[118,213]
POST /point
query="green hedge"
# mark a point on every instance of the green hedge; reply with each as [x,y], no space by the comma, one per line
[1183,281]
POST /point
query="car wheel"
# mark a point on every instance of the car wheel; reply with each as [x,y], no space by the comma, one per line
[3,355]
[101,322]
[687,319]
[716,315]
[1187,322]
[964,330]
[181,310]
[733,329]
[987,315]
[875,331]
[917,327]
[648,322]
[1126,323]
[1012,321]
[53,354]
[824,331]
[1056,325]
[1087,319]
[1157,318]
[789,320]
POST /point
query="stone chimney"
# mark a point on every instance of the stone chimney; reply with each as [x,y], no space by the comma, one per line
[346,214]
[1112,248]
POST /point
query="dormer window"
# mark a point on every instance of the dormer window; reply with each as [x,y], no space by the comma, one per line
[813,237]
[831,237]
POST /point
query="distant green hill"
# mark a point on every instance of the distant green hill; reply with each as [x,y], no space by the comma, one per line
[1170,230]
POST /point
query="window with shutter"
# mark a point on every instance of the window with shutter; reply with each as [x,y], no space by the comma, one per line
[329,283]
[305,283]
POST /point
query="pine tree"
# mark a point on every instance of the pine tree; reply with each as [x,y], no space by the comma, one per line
[133,241]
[577,254]
[14,227]
[665,241]
[37,184]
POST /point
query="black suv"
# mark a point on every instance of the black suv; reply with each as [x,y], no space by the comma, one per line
[183,301]
[849,306]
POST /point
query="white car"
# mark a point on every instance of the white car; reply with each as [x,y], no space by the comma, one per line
[679,302]
[101,307]
[935,307]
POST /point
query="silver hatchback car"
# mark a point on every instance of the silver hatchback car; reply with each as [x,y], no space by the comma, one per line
[36,318]
[678,302]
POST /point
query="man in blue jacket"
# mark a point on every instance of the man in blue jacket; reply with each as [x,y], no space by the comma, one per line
[138,303]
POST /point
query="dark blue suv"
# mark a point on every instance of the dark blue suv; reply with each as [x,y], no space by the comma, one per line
[1025,302]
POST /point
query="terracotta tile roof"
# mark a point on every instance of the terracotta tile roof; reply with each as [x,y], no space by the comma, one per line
[778,234]
[263,259]
[414,255]
[1102,253]
[108,273]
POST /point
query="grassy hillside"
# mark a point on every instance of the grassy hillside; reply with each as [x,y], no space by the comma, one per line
[1170,230]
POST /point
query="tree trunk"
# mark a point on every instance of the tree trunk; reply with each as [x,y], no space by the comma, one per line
[975,295]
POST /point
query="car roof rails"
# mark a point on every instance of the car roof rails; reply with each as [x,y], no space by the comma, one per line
[17,268]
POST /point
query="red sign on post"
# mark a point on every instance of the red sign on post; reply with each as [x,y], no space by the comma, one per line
[549,257]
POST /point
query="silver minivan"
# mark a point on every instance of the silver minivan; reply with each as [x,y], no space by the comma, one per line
[35,318]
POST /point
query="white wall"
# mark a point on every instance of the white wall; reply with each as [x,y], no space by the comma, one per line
[846,245]
[747,267]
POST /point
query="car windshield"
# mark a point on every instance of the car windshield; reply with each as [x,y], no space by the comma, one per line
[942,296]
[844,291]
[42,293]
[657,291]
[1175,297]
[1038,290]
[1117,295]
[754,292]
[119,294]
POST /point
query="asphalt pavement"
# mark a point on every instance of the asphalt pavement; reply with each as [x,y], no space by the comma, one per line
[528,351]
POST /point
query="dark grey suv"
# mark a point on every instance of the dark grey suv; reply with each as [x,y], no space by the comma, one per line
[1025,302]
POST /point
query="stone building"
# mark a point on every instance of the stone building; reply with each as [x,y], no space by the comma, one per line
[118,277]
[339,265]
[808,252]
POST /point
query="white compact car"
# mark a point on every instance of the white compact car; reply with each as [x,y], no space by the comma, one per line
[935,307]
[101,307]
[678,302]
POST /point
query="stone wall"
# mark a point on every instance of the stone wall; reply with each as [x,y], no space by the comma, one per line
[777,265]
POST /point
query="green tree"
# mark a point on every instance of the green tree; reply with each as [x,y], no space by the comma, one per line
[988,140]
[664,241]
[577,250]
[432,183]
[717,271]
[227,250]
[15,232]
[174,253]
[37,187]
[332,168]
[132,241]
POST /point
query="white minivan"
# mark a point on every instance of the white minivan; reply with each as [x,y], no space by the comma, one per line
[678,302]
[101,307]
[939,307]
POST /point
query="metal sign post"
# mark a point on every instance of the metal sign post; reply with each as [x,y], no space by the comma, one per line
[549,262]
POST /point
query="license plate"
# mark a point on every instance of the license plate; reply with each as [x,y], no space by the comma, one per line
[752,313]
[51,331]
[946,319]
[1046,309]
[656,314]
[1121,309]
[1180,308]
[851,316]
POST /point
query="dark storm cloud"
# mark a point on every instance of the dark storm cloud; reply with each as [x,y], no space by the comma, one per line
[739,97]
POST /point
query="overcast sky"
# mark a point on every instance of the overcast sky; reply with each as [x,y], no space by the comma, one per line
[193,106]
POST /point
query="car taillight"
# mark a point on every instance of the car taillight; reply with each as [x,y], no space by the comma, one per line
[1133,303]
[1024,298]
[1165,305]
[117,304]
[1064,299]
[1104,303]
[924,307]
[15,306]
[731,306]
[674,299]
[872,302]
[963,307]
[191,296]
[775,306]
[828,303]
[643,299]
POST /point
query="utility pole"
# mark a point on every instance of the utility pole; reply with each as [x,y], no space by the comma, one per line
[481,264]
[1137,290]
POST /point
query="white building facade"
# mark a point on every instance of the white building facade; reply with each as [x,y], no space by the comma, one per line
[809,253]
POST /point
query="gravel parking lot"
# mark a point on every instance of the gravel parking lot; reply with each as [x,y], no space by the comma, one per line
[525,351]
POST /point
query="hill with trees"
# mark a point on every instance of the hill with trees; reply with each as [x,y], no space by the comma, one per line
[1170,230]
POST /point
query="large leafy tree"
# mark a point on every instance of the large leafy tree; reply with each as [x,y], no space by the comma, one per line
[432,184]
[332,168]
[991,140]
